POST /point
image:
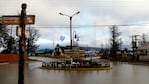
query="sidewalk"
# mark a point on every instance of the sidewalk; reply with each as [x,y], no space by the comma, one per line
[3,63]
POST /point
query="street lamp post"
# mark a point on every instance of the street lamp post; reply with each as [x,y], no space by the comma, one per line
[75,36]
[75,43]
[70,17]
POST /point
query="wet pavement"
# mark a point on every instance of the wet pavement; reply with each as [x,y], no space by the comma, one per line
[121,73]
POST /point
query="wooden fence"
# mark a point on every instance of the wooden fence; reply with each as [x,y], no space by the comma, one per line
[11,57]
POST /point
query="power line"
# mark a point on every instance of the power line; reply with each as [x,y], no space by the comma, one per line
[88,26]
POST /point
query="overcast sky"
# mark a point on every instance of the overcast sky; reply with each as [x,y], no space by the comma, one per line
[92,13]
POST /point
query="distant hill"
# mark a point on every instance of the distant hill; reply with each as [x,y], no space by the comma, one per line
[43,50]
[82,48]
[90,48]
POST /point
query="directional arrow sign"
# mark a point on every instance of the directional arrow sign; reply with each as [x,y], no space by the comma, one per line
[15,20]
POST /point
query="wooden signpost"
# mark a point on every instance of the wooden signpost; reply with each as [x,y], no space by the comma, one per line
[15,20]
[21,20]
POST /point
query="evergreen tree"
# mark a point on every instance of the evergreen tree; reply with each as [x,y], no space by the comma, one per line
[115,40]
[4,36]
[6,41]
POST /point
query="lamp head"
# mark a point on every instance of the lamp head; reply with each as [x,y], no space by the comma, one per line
[61,14]
[78,12]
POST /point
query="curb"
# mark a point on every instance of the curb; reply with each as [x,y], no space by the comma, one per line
[4,63]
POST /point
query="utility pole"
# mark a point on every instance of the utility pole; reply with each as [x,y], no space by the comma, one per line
[70,31]
[134,45]
[22,45]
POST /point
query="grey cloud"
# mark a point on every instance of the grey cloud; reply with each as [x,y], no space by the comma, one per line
[93,12]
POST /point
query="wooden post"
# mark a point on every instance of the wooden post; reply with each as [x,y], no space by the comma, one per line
[22,45]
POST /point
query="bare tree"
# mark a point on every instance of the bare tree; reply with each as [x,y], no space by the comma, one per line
[31,46]
[143,39]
